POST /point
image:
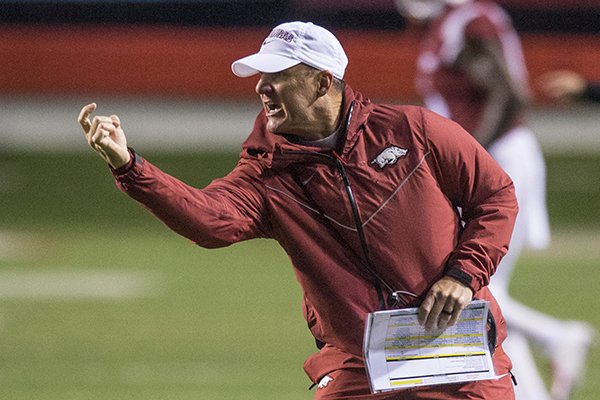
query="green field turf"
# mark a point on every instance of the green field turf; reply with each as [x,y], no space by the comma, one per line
[196,323]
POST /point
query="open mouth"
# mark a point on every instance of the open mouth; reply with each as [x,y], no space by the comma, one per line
[272,108]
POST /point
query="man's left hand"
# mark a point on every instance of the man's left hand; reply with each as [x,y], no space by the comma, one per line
[444,303]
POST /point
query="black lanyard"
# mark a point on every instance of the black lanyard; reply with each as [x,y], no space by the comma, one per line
[367,266]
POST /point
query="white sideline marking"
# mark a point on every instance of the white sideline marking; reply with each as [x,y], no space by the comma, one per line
[94,284]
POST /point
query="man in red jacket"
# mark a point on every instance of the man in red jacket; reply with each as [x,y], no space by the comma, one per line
[363,197]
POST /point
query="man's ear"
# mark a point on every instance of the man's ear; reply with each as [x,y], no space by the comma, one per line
[324,82]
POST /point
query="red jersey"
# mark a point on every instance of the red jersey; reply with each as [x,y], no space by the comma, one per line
[446,89]
[407,200]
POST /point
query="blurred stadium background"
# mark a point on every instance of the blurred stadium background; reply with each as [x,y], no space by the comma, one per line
[100,301]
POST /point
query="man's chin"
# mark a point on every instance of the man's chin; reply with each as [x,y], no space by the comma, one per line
[273,128]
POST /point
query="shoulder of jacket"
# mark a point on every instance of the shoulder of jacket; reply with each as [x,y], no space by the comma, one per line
[397,113]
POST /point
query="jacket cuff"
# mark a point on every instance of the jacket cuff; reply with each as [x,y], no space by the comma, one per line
[461,276]
[122,170]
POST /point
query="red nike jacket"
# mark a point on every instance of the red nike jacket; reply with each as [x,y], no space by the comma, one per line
[410,171]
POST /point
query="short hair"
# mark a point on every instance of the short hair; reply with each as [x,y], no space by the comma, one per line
[338,84]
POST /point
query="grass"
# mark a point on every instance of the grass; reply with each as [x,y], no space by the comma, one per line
[213,324]
[562,282]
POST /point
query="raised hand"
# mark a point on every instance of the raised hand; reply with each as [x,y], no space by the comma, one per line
[105,136]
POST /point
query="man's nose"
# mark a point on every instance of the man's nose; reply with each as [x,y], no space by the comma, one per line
[263,86]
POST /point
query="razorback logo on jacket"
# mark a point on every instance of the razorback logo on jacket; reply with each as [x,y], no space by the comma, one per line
[389,156]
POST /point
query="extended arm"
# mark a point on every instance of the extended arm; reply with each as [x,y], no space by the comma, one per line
[564,85]
[228,210]
[484,64]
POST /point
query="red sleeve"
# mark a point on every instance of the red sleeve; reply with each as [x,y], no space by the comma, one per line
[473,181]
[228,210]
[481,29]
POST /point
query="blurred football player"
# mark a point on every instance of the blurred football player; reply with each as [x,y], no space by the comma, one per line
[471,69]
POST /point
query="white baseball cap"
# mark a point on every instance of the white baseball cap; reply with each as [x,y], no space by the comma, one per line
[293,43]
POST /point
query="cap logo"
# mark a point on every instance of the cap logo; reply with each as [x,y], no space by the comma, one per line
[281,34]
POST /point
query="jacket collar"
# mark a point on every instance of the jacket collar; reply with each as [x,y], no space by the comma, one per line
[275,151]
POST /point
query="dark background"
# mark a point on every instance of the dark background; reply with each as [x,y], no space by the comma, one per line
[528,15]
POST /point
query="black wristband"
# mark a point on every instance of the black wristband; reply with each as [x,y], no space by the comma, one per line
[460,276]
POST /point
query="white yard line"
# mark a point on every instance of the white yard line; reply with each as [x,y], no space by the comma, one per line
[153,123]
[73,285]
[199,124]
